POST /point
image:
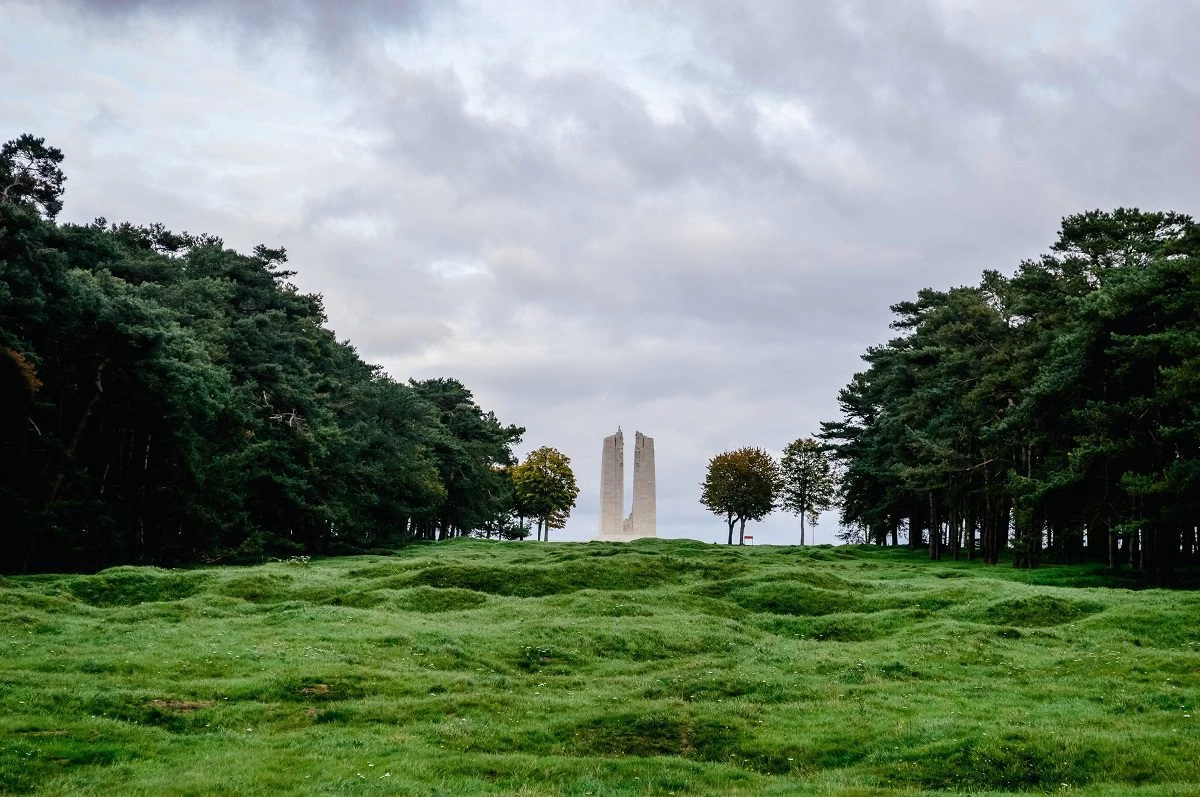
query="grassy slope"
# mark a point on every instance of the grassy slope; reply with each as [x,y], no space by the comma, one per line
[657,667]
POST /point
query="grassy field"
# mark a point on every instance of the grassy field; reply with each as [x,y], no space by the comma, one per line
[657,667]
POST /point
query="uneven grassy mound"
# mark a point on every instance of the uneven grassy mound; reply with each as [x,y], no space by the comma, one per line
[129,586]
[1041,610]
[656,667]
[628,572]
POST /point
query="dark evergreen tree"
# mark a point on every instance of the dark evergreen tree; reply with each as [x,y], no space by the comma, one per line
[1053,412]
[169,400]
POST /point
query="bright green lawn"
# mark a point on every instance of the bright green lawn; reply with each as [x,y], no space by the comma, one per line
[656,667]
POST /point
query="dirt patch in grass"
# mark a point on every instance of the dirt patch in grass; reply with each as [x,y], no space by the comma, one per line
[662,733]
[176,715]
[184,706]
[322,690]
[299,689]
[53,732]
[544,658]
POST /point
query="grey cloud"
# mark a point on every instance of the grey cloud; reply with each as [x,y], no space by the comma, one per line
[332,27]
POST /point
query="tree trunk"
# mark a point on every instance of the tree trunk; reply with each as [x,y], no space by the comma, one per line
[954,532]
[742,532]
[141,534]
[935,530]
[79,429]
[1002,524]
[730,519]
[986,530]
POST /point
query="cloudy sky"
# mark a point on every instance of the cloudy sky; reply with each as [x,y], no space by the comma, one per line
[687,218]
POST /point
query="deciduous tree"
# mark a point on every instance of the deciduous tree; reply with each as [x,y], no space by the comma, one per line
[807,485]
[741,485]
[545,488]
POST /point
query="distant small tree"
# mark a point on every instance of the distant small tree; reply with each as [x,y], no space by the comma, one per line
[741,485]
[807,483]
[505,527]
[855,534]
[30,175]
[545,489]
[508,522]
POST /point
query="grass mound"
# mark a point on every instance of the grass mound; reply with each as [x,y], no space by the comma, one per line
[336,595]
[657,733]
[1022,761]
[1012,762]
[782,597]
[258,587]
[544,658]
[430,600]
[130,586]
[33,755]
[627,572]
[832,628]
[1040,610]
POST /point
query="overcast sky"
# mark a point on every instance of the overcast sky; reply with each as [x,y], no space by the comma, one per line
[686,218]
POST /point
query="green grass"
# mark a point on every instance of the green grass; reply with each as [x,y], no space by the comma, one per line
[657,667]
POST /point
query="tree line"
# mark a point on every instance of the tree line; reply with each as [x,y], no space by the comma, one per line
[1053,414]
[167,400]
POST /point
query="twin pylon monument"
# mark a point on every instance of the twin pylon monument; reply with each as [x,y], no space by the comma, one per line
[642,520]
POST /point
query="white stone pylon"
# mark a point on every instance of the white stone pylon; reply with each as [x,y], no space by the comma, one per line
[644,514]
[642,520]
[612,486]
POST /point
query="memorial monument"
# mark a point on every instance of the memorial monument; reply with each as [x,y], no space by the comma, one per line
[642,520]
